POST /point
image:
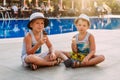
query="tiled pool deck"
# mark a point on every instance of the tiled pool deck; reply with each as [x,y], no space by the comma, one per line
[107,42]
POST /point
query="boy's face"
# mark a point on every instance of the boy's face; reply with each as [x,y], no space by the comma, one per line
[82,25]
[37,25]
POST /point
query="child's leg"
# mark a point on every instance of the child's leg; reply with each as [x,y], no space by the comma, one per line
[94,60]
[65,56]
[39,61]
[60,54]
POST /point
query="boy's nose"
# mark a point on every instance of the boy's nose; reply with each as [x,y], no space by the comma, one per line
[81,27]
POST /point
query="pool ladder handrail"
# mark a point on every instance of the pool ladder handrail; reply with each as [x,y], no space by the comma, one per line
[7,13]
[2,15]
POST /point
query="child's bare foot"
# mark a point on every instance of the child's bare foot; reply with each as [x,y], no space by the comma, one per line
[52,63]
[55,62]
[76,64]
[33,66]
[59,60]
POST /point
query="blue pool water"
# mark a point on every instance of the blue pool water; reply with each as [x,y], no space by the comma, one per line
[18,28]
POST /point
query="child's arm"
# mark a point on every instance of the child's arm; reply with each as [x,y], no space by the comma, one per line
[74,45]
[28,42]
[51,49]
[49,45]
[92,48]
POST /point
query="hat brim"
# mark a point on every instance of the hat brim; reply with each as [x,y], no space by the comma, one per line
[46,22]
[75,21]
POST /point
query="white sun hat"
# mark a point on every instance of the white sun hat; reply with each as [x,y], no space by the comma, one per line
[38,15]
[85,17]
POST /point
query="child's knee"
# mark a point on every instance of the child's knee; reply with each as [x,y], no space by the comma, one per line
[30,58]
[57,52]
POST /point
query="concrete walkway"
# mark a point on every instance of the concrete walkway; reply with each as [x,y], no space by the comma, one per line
[107,43]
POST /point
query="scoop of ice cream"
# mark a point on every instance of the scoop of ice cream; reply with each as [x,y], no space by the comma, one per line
[74,40]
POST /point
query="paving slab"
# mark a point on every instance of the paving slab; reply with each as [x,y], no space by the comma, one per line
[107,43]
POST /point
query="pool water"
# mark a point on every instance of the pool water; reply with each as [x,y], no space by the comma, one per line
[14,28]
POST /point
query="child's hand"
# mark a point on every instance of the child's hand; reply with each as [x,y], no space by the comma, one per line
[43,40]
[73,40]
[85,60]
[52,56]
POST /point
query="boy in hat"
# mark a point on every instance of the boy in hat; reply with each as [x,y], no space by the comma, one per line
[35,38]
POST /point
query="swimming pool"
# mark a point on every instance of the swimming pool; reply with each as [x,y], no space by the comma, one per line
[13,28]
